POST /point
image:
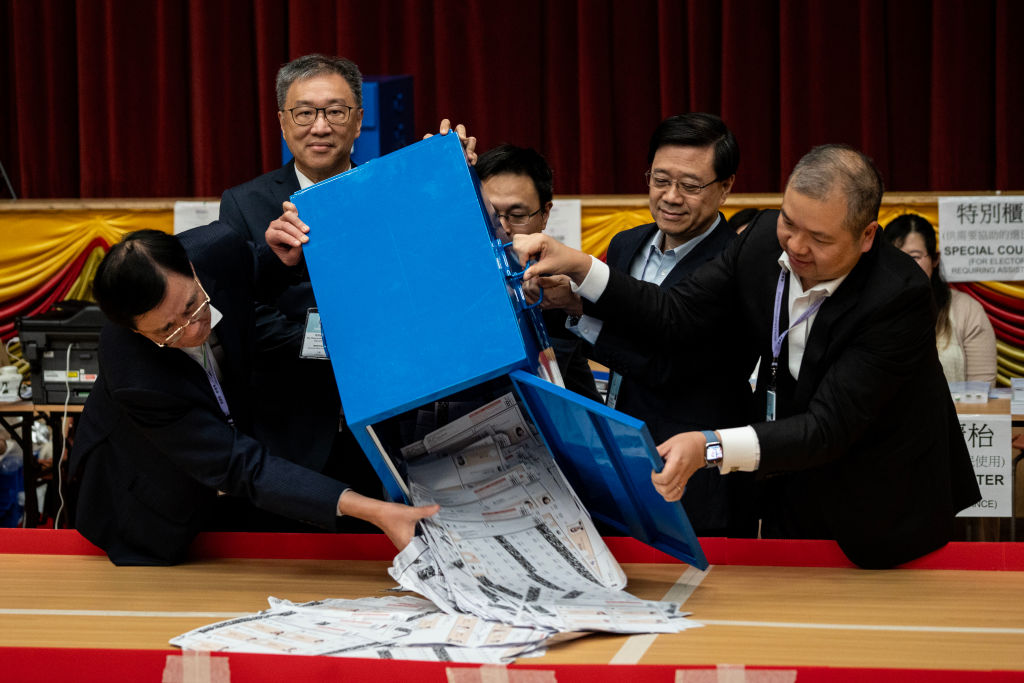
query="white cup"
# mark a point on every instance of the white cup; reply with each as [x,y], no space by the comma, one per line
[10,384]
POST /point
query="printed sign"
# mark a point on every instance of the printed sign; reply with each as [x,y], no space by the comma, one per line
[565,221]
[192,214]
[981,238]
[988,440]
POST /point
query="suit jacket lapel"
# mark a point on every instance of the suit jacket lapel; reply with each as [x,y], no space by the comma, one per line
[286,183]
[710,247]
[635,241]
[827,328]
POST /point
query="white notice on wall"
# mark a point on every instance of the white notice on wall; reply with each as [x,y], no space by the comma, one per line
[188,214]
[565,222]
[981,238]
[988,440]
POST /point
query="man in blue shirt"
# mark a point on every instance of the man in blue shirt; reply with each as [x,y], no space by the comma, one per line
[692,166]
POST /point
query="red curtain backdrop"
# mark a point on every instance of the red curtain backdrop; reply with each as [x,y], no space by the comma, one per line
[158,98]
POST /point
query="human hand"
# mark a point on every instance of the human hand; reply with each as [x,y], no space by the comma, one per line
[683,455]
[531,291]
[553,257]
[397,520]
[468,142]
[286,234]
[558,294]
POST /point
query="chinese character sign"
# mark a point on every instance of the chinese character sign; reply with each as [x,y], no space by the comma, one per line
[981,238]
[988,440]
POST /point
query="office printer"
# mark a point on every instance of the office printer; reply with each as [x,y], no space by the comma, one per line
[61,345]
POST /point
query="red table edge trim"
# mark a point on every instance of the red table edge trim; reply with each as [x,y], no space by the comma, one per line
[723,551]
[96,664]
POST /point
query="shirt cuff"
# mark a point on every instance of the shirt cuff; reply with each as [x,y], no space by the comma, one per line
[587,328]
[595,282]
[741,451]
[337,505]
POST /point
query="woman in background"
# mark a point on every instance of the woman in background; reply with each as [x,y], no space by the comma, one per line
[963,333]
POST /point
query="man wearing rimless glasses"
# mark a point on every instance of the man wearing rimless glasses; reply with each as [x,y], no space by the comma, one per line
[692,162]
[164,448]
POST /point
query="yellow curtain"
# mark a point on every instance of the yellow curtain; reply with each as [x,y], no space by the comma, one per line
[38,244]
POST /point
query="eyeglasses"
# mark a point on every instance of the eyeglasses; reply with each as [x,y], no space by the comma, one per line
[336,114]
[518,218]
[177,334]
[663,183]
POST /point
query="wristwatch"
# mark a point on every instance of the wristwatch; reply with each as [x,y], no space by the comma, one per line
[713,453]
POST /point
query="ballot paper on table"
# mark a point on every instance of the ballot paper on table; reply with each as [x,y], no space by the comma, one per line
[394,627]
[511,562]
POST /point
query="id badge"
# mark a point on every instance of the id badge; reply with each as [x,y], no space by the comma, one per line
[313,337]
[770,406]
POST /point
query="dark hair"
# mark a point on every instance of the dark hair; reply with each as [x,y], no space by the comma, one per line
[308,66]
[742,217]
[698,130]
[518,161]
[823,168]
[131,279]
[896,234]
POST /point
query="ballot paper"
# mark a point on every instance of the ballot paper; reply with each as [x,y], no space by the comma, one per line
[374,628]
[511,561]
[512,542]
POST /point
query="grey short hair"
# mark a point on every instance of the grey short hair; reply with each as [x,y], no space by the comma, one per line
[844,169]
[308,66]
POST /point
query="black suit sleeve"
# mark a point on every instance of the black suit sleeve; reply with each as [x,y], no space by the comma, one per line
[220,457]
[639,357]
[679,317]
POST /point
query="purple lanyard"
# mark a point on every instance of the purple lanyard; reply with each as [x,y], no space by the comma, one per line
[218,392]
[778,338]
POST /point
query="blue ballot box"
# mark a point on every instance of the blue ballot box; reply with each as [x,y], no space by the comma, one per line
[424,319]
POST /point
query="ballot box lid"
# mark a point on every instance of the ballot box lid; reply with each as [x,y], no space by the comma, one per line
[607,456]
[410,282]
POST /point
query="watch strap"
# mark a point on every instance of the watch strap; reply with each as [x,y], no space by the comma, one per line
[713,453]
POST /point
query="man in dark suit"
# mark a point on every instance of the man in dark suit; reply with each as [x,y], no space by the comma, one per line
[859,440]
[692,161]
[319,102]
[518,183]
[164,448]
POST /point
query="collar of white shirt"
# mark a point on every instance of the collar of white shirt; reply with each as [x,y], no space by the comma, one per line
[305,182]
[795,286]
[196,352]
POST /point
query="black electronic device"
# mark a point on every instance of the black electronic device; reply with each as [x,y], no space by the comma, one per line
[62,347]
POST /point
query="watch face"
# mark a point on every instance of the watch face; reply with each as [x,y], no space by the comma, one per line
[713,453]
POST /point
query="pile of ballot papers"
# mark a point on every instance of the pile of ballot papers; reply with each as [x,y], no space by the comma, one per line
[511,560]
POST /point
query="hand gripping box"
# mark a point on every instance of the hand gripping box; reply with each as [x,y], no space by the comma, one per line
[424,319]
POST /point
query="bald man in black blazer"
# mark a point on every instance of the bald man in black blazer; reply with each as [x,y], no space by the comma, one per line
[859,439]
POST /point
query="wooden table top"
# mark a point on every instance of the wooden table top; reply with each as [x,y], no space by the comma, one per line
[757,615]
